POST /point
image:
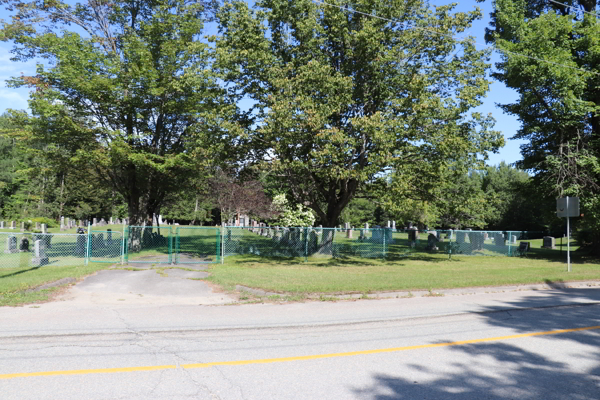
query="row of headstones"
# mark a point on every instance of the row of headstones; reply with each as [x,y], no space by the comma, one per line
[111,221]
[39,249]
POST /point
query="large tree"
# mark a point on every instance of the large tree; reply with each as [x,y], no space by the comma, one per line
[342,95]
[130,79]
[551,57]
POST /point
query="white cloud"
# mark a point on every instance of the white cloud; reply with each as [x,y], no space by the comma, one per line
[13,98]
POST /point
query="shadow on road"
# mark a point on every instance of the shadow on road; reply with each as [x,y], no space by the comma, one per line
[503,370]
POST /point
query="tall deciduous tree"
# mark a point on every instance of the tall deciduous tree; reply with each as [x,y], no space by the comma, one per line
[340,97]
[130,78]
[557,76]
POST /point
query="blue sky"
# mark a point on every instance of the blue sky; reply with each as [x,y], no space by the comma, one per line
[508,125]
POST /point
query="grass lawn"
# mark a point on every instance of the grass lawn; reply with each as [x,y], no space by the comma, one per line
[419,270]
[14,282]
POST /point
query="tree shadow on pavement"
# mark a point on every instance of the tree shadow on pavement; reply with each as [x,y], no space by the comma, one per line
[514,368]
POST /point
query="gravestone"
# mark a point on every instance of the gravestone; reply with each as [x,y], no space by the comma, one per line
[376,233]
[460,237]
[100,240]
[111,221]
[1,224]
[312,242]
[389,224]
[103,222]
[80,247]
[94,222]
[13,225]
[413,236]
[24,245]
[476,239]
[366,226]
[349,234]
[326,245]
[450,234]
[39,253]
[62,223]
[499,239]
[432,242]
[109,237]
[44,228]
[485,236]
[361,234]
[37,226]
[513,239]
[393,225]
[276,235]
[22,226]
[549,242]
[524,247]
[11,245]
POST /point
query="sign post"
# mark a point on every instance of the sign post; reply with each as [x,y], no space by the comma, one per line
[568,207]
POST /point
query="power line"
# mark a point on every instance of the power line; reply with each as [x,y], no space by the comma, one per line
[452,37]
[576,9]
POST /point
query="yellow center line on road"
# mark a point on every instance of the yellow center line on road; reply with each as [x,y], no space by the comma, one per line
[288,359]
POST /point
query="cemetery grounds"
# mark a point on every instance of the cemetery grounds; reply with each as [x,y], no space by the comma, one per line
[250,259]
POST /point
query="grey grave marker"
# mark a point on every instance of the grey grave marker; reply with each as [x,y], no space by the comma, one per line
[11,245]
[39,253]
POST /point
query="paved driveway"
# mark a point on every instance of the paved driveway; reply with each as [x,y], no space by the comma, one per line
[148,284]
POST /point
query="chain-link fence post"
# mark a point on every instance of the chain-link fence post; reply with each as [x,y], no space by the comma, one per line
[126,245]
[123,246]
[88,247]
[305,244]
[170,244]
[177,245]
[222,235]
[218,245]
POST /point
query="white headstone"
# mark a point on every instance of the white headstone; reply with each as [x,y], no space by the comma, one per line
[39,253]
[11,245]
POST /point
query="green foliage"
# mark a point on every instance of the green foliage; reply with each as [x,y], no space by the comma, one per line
[341,98]
[49,222]
[290,215]
[129,86]
[559,101]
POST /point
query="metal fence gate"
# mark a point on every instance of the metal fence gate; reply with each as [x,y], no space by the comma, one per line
[197,245]
[168,245]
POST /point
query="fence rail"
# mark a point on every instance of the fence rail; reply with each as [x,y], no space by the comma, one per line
[201,245]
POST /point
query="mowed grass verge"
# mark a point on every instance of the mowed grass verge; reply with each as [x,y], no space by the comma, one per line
[15,283]
[419,271]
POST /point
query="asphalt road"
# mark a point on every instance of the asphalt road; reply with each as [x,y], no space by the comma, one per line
[495,344]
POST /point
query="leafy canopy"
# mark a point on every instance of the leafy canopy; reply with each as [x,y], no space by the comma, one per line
[340,98]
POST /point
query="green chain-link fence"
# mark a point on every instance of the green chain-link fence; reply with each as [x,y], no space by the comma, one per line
[370,243]
[305,242]
[197,245]
[19,250]
[148,244]
[105,246]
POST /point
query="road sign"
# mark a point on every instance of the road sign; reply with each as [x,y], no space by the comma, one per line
[567,207]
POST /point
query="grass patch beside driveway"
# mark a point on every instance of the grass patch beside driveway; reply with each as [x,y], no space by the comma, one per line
[420,271]
[15,283]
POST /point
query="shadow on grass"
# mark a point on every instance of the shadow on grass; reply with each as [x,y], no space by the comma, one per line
[20,272]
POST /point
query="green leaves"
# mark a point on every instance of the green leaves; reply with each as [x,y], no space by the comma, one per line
[128,89]
[341,98]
